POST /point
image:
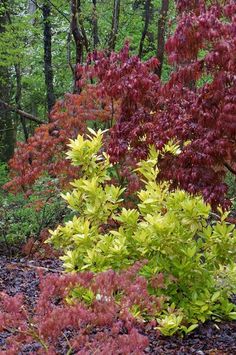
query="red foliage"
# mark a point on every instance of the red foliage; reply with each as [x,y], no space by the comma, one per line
[123,79]
[44,153]
[131,85]
[197,104]
[105,325]
[36,247]
[205,114]
[190,108]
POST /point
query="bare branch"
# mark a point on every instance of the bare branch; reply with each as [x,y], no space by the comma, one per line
[232,170]
[27,115]
[145,29]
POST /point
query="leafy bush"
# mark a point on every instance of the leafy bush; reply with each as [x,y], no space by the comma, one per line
[170,229]
[84,325]
[3,174]
[231,182]
[23,219]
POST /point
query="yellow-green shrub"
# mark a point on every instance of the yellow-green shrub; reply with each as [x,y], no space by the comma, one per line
[186,254]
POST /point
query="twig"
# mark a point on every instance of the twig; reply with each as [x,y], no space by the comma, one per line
[232,170]
[38,267]
[20,112]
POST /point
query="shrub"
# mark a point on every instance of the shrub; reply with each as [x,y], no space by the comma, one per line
[3,174]
[100,319]
[170,228]
[44,152]
[231,182]
[26,220]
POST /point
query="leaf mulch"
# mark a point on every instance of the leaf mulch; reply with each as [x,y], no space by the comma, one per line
[20,275]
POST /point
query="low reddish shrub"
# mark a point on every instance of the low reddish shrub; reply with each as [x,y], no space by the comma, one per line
[98,314]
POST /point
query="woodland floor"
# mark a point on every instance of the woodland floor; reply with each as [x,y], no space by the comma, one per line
[20,275]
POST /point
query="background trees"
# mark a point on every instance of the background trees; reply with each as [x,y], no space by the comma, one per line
[42,41]
[7,129]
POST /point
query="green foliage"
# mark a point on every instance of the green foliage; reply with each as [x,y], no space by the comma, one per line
[170,229]
[231,182]
[82,294]
[3,174]
[22,218]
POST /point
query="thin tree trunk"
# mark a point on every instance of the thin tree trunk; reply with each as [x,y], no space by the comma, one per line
[48,71]
[7,127]
[68,50]
[18,100]
[78,39]
[115,25]
[4,106]
[76,32]
[84,35]
[18,89]
[161,28]
[146,24]
[95,25]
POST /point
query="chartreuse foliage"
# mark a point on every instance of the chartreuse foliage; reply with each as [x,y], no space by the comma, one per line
[187,255]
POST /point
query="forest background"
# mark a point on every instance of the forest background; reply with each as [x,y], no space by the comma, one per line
[38,51]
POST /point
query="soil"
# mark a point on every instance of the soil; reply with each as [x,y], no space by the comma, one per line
[19,275]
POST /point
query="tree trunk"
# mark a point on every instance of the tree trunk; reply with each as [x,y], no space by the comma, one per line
[7,128]
[18,100]
[48,71]
[161,27]
[146,24]
[115,25]
[81,24]
[95,25]
[78,39]
[7,107]
[76,32]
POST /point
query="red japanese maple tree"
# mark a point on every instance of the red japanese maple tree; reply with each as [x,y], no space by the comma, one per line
[197,105]
[44,152]
[126,78]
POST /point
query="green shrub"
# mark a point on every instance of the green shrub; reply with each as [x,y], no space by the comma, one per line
[23,218]
[231,182]
[3,174]
[186,253]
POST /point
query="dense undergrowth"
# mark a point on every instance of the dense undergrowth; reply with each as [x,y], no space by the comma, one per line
[24,220]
